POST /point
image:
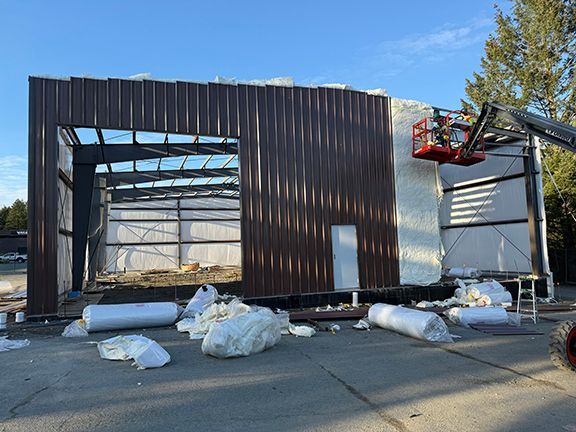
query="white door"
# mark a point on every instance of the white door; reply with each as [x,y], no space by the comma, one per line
[345,255]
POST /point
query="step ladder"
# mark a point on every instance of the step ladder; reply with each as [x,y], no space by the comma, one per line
[527,296]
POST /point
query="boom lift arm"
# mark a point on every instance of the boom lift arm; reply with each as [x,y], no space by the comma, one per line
[549,130]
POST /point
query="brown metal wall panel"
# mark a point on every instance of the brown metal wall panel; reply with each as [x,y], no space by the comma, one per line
[126,104]
[309,158]
[136,107]
[182,107]
[171,118]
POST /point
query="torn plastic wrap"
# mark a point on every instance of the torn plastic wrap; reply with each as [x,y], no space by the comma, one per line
[417,324]
[131,315]
[198,326]
[146,353]
[76,328]
[481,315]
[202,300]
[243,335]
[7,345]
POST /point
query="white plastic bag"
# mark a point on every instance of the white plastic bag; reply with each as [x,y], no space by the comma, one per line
[202,300]
[409,322]
[200,324]
[145,352]
[478,315]
[301,331]
[76,328]
[7,345]
[131,315]
[243,335]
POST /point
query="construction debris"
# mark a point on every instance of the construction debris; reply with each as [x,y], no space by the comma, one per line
[414,323]
[463,272]
[249,333]
[204,298]
[301,331]
[145,352]
[198,326]
[476,294]
[363,324]
[76,328]
[131,315]
[7,345]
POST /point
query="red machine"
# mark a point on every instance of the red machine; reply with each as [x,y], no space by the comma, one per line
[439,138]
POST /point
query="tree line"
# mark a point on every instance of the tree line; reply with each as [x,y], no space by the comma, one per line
[15,216]
[529,63]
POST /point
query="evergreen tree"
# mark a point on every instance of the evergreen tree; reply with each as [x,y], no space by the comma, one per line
[529,63]
[17,216]
[3,215]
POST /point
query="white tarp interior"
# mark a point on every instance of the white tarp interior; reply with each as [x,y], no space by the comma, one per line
[204,236]
[417,200]
[502,247]
[64,270]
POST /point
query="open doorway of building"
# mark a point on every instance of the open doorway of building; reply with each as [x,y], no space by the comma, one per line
[164,214]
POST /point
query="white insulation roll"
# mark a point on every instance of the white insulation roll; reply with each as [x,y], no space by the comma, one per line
[131,315]
[417,324]
[478,315]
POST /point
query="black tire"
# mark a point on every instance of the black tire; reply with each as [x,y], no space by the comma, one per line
[20,260]
[562,345]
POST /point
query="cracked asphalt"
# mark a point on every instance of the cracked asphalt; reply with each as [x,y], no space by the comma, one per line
[358,381]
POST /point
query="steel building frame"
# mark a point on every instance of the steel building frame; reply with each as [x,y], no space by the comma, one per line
[308,158]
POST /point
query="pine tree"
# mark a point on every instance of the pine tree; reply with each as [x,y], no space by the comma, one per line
[3,215]
[17,216]
[529,63]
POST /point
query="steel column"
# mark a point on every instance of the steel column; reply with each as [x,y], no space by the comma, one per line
[83,178]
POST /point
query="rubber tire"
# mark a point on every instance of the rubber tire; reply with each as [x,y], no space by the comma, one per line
[20,260]
[558,345]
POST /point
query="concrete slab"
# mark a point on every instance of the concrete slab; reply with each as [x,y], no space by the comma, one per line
[357,381]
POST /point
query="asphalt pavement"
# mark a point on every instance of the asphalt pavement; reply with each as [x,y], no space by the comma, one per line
[349,381]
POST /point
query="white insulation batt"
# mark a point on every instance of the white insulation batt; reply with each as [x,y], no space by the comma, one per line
[417,200]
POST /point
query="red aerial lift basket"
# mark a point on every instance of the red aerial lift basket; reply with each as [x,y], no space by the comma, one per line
[440,138]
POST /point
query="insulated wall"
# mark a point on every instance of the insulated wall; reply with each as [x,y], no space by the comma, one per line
[167,234]
[417,200]
[484,214]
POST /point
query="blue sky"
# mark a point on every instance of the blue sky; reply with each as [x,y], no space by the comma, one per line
[413,49]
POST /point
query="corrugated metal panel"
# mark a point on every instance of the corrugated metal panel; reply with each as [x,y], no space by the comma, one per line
[309,158]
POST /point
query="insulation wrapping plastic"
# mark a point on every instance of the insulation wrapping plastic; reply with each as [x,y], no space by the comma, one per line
[479,315]
[464,272]
[417,324]
[204,298]
[131,315]
[494,290]
[145,352]
[7,345]
[243,335]
[198,326]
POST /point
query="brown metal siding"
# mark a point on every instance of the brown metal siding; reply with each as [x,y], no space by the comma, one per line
[309,158]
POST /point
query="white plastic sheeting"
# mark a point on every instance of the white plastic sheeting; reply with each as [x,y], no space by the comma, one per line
[145,352]
[125,227]
[417,324]
[131,315]
[466,317]
[502,247]
[7,345]
[204,297]
[198,326]
[141,257]
[417,200]
[243,335]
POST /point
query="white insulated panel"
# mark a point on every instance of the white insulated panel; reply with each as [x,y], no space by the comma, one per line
[143,214]
[210,230]
[212,254]
[143,257]
[145,232]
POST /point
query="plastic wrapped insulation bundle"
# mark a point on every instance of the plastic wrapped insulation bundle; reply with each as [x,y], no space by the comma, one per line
[131,315]
[417,324]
